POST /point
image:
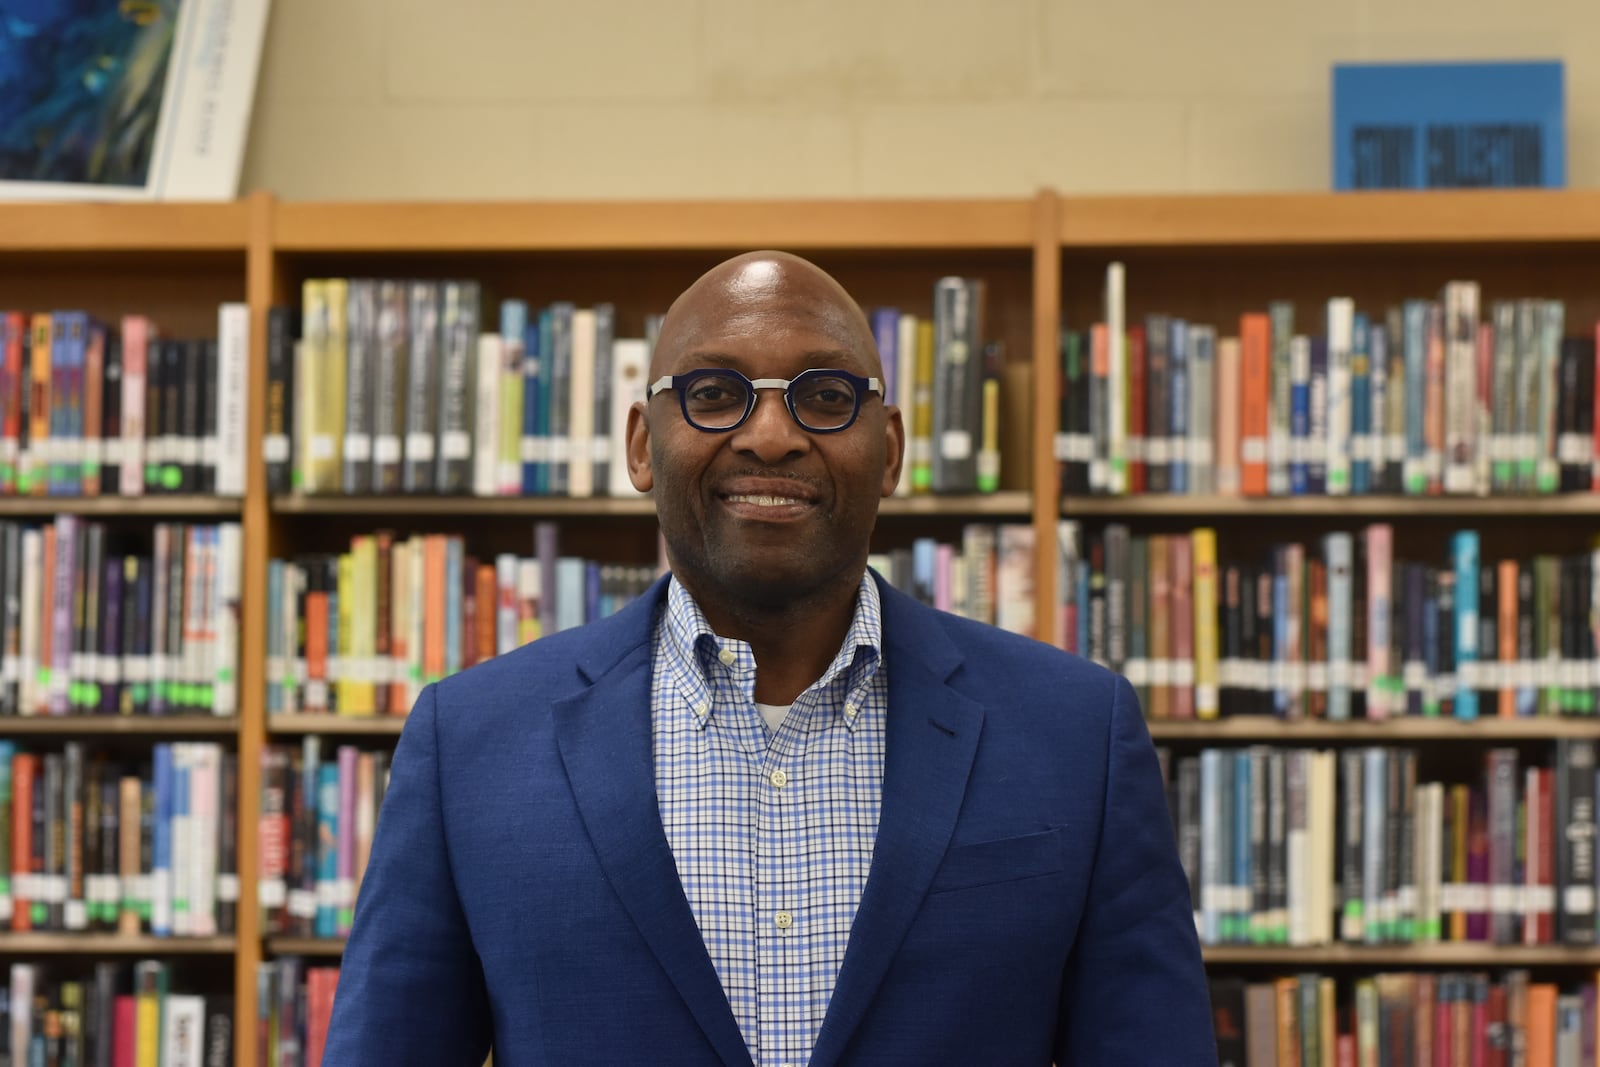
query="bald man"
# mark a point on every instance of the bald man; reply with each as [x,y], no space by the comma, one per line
[773,813]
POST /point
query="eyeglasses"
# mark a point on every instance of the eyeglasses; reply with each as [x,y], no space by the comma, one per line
[717,400]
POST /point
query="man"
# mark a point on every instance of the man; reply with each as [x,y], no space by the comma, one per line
[773,812]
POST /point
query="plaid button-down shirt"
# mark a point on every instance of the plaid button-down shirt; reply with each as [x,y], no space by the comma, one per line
[772,831]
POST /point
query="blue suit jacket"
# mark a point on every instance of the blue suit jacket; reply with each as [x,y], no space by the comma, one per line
[1025,901]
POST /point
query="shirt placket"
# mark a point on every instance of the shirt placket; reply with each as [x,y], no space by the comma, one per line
[782,937]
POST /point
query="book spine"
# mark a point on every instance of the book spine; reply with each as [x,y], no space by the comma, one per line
[389,393]
[459,339]
[360,357]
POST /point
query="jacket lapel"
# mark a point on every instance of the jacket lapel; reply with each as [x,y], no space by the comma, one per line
[605,741]
[932,738]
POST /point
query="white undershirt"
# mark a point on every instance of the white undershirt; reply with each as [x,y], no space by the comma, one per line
[773,714]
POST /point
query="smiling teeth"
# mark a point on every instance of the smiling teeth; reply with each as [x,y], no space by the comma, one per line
[766,501]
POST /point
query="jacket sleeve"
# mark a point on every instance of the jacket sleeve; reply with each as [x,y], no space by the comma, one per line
[411,989]
[1135,988]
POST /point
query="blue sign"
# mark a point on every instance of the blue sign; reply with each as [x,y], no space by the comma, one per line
[1449,125]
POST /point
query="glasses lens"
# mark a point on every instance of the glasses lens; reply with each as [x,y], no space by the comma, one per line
[716,400]
[824,402]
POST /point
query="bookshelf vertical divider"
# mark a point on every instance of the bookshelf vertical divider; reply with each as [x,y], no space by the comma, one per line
[1046,385]
[261,285]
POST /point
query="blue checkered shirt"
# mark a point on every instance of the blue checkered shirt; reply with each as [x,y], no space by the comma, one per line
[772,831]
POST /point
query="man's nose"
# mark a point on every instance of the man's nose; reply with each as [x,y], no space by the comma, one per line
[770,434]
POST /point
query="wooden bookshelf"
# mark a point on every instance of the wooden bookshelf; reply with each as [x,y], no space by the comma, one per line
[119,726]
[336,725]
[106,228]
[1368,219]
[113,945]
[1398,508]
[1473,954]
[595,226]
[1482,730]
[305,946]
[1195,255]
[196,507]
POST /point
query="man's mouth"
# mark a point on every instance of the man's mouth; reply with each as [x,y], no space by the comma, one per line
[766,501]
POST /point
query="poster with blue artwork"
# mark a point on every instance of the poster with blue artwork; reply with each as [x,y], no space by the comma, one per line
[126,99]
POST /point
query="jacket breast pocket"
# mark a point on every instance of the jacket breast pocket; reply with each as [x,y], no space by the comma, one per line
[1006,859]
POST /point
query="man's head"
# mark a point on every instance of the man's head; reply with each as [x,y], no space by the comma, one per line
[768,513]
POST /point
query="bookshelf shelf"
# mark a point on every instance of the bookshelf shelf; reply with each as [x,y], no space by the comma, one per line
[1477,731]
[138,228]
[1473,954]
[642,226]
[1500,217]
[375,726]
[112,945]
[305,946]
[119,726]
[463,506]
[1006,504]
[1510,509]
[121,506]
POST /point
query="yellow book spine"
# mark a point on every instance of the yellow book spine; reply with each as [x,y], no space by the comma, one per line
[1207,698]
[922,411]
[344,675]
[364,625]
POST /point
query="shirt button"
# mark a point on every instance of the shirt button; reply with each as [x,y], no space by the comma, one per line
[784,920]
[850,710]
[727,657]
[701,708]
[778,779]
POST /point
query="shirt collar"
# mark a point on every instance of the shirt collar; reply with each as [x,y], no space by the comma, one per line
[695,650]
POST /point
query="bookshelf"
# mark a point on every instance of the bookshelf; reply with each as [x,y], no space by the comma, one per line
[1201,256]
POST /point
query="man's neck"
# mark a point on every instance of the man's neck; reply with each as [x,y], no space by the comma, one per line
[792,644]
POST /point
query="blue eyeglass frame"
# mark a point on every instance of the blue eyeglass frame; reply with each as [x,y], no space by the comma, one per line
[681,382]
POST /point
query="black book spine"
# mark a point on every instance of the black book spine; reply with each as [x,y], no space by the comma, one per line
[111,419]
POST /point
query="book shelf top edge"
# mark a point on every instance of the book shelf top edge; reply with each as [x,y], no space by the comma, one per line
[1391,218]
[328,723]
[598,226]
[1441,954]
[109,725]
[111,506]
[124,227]
[1016,503]
[14,944]
[1405,728]
[1369,505]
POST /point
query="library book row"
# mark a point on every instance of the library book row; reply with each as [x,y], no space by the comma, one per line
[92,408]
[1301,847]
[294,1008]
[100,620]
[1452,395]
[1339,628]
[137,1014]
[96,842]
[1401,1018]
[360,632]
[424,386]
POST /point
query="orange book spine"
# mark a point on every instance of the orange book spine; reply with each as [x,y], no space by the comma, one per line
[13,331]
[1317,641]
[1255,392]
[130,802]
[488,602]
[35,458]
[1506,630]
[22,841]
[1460,826]
[1288,990]
[1433,405]
[317,651]
[1541,1025]
[433,601]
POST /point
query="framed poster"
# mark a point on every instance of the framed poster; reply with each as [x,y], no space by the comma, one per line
[126,99]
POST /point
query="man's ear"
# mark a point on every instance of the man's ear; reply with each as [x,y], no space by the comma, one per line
[895,449]
[639,471]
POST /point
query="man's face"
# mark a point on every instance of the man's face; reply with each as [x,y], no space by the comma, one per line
[767,513]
